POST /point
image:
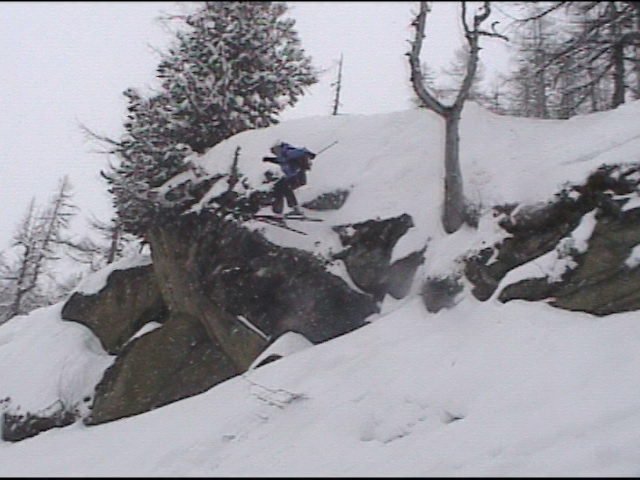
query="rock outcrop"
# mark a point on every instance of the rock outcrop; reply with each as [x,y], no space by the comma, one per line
[367,256]
[18,426]
[602,280]
[130,299]
[172,362]
[221,293]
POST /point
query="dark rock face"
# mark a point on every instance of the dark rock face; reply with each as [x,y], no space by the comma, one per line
[225,292]
[222,293]
[214,276]
[369,246]
[401,274]
[533,289]
[535,231]
[328,201]
[16,427]
[130,299]
[439,293]
[601,283]
[276,289]
[172,362]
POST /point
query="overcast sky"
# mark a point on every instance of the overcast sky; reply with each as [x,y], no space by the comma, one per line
[67,63]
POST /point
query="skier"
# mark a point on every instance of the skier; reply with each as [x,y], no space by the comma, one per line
[294,163]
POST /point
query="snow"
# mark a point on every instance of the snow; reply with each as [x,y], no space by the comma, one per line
[45,359]
[634,202]
[93,283]
[504,160]
[252,327]
[634,257]
[146,328]
[482,389]
[285,344]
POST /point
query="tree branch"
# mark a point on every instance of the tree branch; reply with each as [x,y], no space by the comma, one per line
[414,61]
[473,38]
[544,13]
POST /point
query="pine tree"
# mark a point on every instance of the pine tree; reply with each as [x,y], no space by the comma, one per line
[233,66]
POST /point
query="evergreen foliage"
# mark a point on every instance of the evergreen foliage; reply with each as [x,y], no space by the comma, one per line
[233,66]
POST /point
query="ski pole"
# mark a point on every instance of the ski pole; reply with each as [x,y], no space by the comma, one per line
[327,147]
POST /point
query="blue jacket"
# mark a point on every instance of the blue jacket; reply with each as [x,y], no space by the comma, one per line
[290,158]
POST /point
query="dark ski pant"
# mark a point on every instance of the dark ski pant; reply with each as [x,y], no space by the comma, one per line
[283,189]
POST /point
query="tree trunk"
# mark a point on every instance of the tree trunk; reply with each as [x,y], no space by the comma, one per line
[540,76]
[114,245]
[336,102]
[593,92]
[453,212]
[637,51]
[617,58]
[618,75]
[637,70]
[454,208]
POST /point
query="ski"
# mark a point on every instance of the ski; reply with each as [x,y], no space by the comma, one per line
[302,217]
[287,217]
[271,220]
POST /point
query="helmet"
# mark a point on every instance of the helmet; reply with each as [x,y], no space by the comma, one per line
[278,146]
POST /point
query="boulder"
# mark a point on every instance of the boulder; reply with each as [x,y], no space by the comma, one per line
[535,230]
[222,294]
[367,256]
[440,292]
[328,201]
[227,268]
[130,299]
[174,361]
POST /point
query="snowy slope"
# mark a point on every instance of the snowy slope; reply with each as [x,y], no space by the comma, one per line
[392,164]
[44,359]
[482,389]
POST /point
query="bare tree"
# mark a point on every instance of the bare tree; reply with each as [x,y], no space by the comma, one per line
[114,234]
[338,85]
[454,209]
[636,65]
[529,86]
[456,71]
[55,221]
[112,245]
[20,276]
[37,242]
[595,45]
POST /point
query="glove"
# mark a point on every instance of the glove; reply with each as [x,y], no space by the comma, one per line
[312,156]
